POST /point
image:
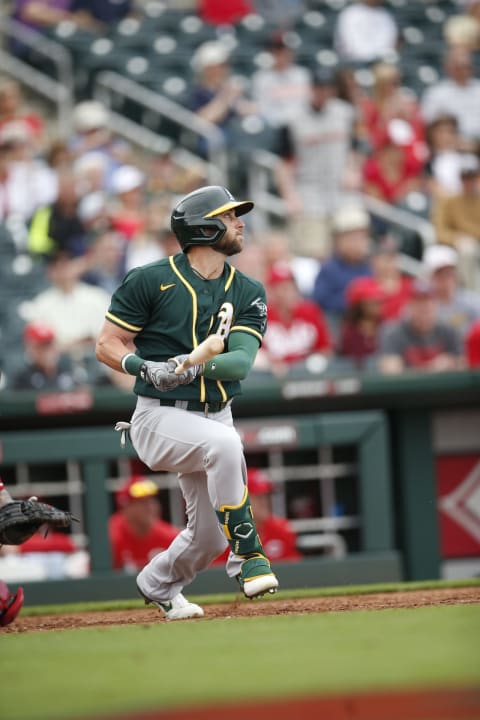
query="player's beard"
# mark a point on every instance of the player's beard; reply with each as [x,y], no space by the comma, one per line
[230,244]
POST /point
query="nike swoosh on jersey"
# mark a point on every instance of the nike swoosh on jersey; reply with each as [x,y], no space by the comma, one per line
[166,287]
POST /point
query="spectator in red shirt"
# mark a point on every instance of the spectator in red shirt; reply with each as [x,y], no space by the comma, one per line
[277,535]
[393,170]
[389,100]
[136,531]
[296,328]
[358,336]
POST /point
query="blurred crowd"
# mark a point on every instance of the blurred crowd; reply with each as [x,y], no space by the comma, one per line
[76,213]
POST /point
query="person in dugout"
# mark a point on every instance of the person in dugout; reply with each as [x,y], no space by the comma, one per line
[136,531]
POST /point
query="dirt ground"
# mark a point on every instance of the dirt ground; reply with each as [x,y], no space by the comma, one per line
[243,608]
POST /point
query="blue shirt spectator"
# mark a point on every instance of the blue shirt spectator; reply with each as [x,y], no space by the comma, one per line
[350,259]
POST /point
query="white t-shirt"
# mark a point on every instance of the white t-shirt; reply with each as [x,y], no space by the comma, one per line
[29,185]
[73,316]
[364,33]
[448,98]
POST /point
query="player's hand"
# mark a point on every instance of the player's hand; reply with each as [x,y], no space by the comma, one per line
[161,375]
[189,375]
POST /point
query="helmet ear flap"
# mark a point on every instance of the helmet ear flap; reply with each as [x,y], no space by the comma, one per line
[199,231]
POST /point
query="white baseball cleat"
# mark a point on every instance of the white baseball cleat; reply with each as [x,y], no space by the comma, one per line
[256,577]
[179,608]
[256,587]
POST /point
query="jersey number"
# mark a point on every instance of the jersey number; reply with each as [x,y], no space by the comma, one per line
[225,317]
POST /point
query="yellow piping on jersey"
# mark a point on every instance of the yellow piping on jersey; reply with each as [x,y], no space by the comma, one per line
[194,319]
[244,328]
[230,278]
[122,323]
[222,390]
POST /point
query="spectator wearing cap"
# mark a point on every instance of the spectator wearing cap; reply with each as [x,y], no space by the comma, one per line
[419,340]
[365,31]
[359,329]
[46,368]
[217,95]
[276,533]
[457,221]
[350,259]
[136,531]
[457,307]
[128,212]
[281,91]
[296,328]
[314,152]
[93,139]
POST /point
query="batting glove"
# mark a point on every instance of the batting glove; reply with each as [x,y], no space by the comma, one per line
[189,375]
[161,375]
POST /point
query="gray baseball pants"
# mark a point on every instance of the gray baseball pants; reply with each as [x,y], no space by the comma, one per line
[207,454]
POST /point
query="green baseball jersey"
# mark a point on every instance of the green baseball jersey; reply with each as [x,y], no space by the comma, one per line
[172,310]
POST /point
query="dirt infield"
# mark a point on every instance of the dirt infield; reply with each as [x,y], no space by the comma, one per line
[242,608]
[407,705]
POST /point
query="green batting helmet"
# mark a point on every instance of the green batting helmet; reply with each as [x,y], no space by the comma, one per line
[194,219]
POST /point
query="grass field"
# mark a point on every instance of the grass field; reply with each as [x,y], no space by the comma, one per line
[88,671]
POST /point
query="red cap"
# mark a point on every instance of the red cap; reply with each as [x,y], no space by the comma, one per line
[38,332]
[361,289]
[137,487]
[280,272]
[472,343]
[258,482]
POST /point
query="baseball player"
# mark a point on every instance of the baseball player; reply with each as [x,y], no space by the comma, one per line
[183,422]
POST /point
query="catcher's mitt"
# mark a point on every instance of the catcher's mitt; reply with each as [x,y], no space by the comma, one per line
[20,519]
